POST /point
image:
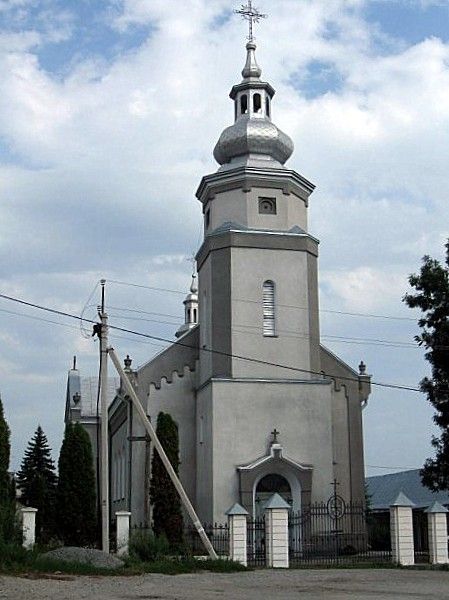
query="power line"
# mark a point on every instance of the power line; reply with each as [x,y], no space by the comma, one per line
[212,350]
[288,332]
[339,339]
[325,310]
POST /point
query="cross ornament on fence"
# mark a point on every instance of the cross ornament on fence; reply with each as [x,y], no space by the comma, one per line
[251,14]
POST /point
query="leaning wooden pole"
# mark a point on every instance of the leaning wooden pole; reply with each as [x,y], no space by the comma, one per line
[167,464]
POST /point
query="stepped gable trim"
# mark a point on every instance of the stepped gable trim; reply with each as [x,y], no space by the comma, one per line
[287,180]
[175,357]
[168,379]
[256,239]
[341,369]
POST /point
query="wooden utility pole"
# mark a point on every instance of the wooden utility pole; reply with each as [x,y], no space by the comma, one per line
[104,463]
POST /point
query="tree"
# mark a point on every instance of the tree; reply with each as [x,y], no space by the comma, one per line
[5,449]
[7,490]
[37,482]
[167,516]
[76,497]
[432,297]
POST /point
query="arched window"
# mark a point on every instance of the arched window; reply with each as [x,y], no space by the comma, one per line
[267,106]
[243,104]
[269,317]
[257,103]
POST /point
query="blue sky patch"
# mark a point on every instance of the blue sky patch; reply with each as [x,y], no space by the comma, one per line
[86,28]
[319,78]
[409,20]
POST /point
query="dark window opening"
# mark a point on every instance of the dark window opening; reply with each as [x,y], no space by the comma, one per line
[267,206]
[257,103]
[244,104]
[207,218]
[267,106]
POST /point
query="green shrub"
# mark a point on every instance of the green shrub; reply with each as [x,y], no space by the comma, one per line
[146,547]
[14,556]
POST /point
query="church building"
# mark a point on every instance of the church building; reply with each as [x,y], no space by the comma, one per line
[261,405]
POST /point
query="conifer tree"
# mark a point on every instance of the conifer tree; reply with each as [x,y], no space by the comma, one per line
[5,450]
[167,516]
[76,497]
[432,297]
[37,482]
[7,491]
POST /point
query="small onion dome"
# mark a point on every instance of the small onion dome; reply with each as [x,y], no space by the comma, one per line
[253,136]
[194,286]
[253,133]
[251,68]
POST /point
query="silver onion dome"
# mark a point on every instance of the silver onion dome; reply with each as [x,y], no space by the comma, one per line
[253,132]
[251,136]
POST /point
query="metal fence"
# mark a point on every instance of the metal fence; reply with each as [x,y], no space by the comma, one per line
[256,542]
[216,532]
[421,536]
[333,533]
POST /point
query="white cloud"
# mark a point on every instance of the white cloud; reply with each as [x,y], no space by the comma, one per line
[102,165]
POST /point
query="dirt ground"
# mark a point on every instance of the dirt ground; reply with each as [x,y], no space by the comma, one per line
[261,585]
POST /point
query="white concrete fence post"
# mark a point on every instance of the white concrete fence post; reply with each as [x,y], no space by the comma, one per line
[28,527]
[276,532]
[401,530]
[122,517]
[437,526]
[237,523]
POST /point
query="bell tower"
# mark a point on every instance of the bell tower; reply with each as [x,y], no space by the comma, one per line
[257,266]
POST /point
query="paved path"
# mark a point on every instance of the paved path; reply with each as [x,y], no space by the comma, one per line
[354,584]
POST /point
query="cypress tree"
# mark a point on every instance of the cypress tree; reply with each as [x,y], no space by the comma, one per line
[432,297]
[7,495]
[76,497]
[167,515]
[37,482]
[5,449]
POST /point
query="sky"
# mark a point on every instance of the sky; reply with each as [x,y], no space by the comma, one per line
[109,112]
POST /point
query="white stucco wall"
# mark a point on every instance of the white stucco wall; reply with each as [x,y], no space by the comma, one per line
[291,346]
[242,207]
[243,414]
[178,399]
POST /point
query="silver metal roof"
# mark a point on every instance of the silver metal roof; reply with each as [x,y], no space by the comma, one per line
[251,134]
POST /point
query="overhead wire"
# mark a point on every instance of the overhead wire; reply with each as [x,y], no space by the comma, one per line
[325,310]
[213,350]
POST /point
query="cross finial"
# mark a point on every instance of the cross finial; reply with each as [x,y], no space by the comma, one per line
[251,14]
[275,434]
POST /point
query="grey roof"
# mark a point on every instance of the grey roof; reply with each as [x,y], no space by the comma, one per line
[436,508]
[402,500]
[384,489]
[236,509]
[87,388]
[233,226]
[276,501]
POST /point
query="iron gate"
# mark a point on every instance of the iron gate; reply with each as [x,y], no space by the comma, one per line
[333,533]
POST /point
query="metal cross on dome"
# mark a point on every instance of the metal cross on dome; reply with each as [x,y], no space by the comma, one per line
[251,14]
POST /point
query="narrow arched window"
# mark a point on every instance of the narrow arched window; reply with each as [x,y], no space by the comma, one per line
[257,103]
[267,106]
[269,316]
[243,104]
